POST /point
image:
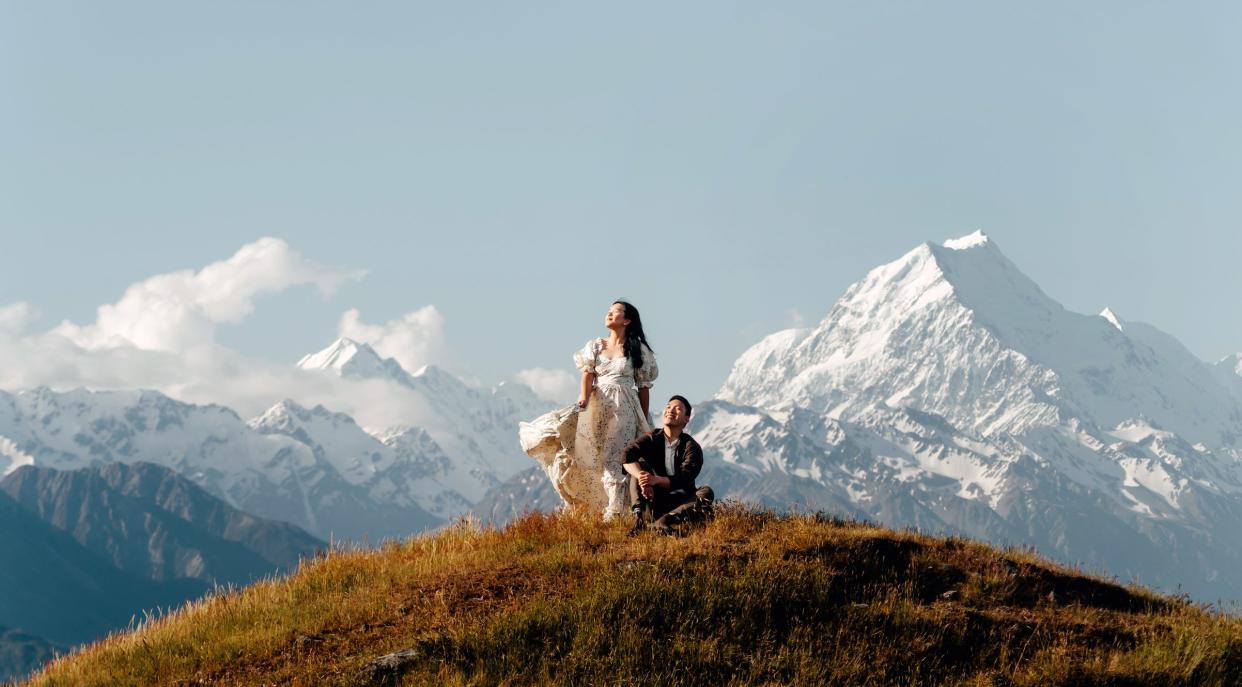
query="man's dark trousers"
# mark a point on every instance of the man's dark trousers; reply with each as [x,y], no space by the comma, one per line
[667,508]
[681,501]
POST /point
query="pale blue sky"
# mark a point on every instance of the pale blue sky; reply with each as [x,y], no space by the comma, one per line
[725,166]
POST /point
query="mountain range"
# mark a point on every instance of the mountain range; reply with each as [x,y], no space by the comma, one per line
[312,467]
[946,391]
[86,551]
[131,500]
[150,521]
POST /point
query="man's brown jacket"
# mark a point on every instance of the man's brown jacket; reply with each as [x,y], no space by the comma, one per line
[648,451]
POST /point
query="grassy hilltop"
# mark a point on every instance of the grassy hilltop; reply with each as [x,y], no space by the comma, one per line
[752,599]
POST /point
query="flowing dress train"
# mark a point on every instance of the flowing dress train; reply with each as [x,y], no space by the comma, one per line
[580,450]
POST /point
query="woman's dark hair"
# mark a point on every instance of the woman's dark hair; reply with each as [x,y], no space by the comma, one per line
[635,337]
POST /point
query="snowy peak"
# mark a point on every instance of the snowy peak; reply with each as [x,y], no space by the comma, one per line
[969,271]
[288,414]
[913,279]
[987,282]
[1231,364]
[958,330]
[338,354]
[474,425]
[349,358]
[354,359]
[436,377]
[405,437]
[1108,314]
[975,240]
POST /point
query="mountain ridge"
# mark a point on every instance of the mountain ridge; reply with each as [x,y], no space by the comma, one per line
[150,521]
[64,592]
[952,383]
[946,391]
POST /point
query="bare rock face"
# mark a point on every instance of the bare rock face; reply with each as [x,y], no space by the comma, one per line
[388,669]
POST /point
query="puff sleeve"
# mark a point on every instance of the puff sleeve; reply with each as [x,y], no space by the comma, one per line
[646,375]
[586,358]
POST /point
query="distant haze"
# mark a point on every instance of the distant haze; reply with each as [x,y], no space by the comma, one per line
[472,187]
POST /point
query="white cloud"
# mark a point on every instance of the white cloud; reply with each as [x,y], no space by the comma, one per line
[180,310]
[251,386]
[207,374]
[159,335]
[414,340]
[558,386]
[16,318]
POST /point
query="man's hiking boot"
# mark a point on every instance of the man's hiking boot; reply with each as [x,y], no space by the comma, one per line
[639,521]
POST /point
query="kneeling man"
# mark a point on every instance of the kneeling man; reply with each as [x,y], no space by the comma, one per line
[662,467]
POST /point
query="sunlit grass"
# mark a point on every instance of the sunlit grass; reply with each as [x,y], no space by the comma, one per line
[752,598]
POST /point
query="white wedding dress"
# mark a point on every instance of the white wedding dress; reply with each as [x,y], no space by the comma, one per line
[581,450]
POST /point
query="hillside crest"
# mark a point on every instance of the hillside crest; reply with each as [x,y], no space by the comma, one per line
[752,598]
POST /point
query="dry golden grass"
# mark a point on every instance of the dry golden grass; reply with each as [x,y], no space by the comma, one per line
[752,598]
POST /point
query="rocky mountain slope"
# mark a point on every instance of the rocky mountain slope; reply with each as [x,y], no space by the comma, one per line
[22,653]
[150,521]
[88,551]
[53,587]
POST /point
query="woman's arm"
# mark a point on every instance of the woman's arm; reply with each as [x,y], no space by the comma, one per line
[584,391]
[644,376]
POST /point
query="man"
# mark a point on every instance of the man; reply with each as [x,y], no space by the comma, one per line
[662,467]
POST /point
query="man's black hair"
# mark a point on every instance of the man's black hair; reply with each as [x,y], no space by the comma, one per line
[684,402]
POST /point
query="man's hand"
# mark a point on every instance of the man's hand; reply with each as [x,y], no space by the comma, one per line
[644,484]
[647,481]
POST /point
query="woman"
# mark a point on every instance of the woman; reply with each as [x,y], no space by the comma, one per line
[580,446]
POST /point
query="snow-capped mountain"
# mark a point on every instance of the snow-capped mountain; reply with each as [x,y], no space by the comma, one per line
[403,468]
[944,391]
[310,466]
[1231,367]
[350,358]
[275,467]
[474,426]
[947,391]
[959,331]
